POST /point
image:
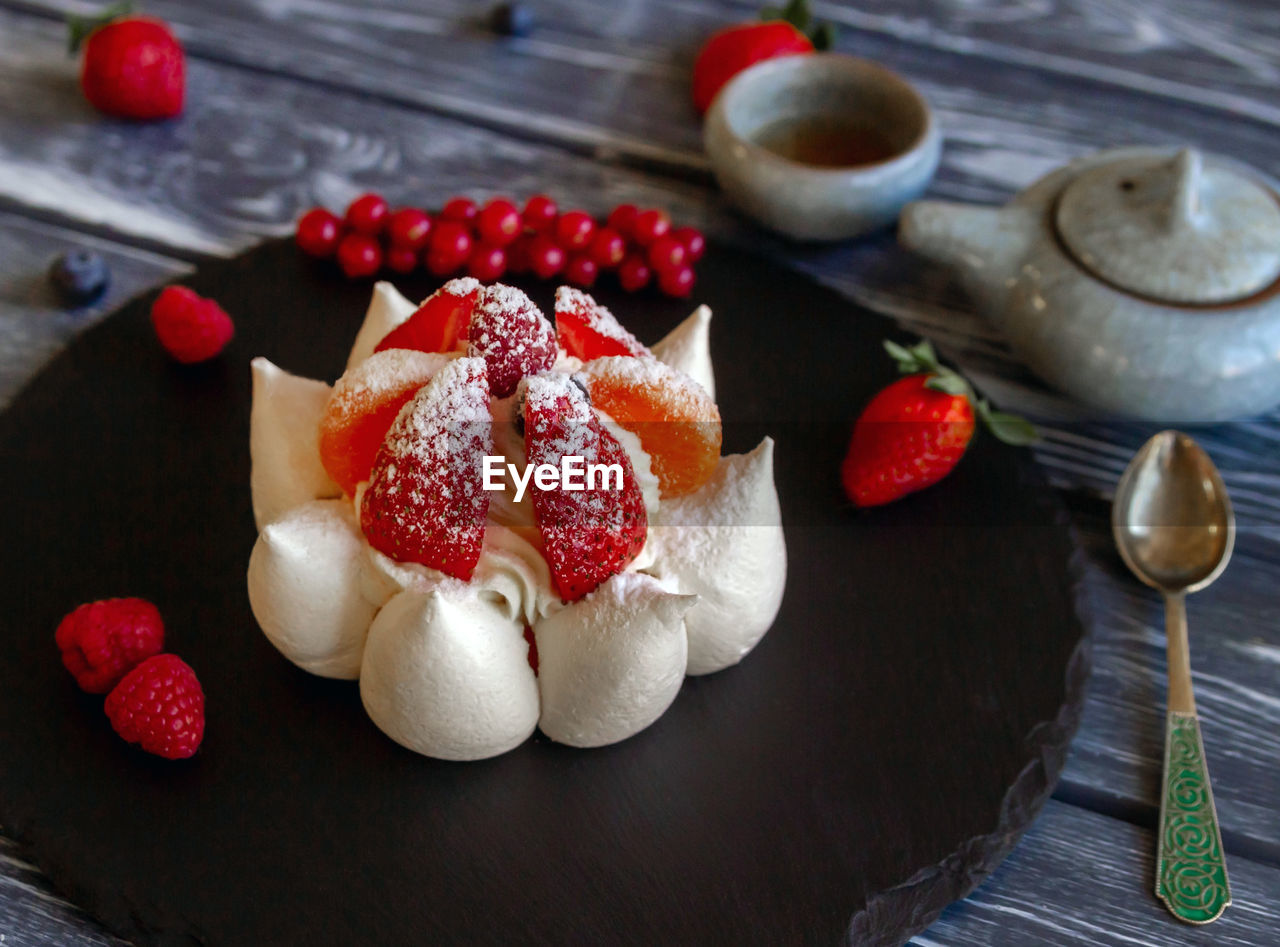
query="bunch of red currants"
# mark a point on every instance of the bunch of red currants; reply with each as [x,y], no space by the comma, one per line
[639,246]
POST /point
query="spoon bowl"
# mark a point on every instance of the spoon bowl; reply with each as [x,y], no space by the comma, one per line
[1174,528]
[1172,518]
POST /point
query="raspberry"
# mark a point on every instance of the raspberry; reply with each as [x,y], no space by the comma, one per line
[190,327]
[102,641]
[160,706]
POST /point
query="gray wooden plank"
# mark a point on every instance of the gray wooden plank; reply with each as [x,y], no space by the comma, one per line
[34,324]
[635,57]
[1117,754]
[32,914]
[1082,878]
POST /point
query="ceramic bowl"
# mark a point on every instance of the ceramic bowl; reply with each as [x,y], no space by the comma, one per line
[809,201]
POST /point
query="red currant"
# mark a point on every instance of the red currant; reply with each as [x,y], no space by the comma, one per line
[449,247]
[368,214]
[649,226]
[694,242]
[402,259]
[667,253]
[499,223]
[546,257]
[622,218]
[408,228]
[540,213]
[359,255]
[676,281]
[487,262]
[575,229]
[634,272]
[459,208]
[607,248]
[318,232]
[581,270]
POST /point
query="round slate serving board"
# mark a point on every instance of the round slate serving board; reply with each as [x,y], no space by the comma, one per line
[869,762]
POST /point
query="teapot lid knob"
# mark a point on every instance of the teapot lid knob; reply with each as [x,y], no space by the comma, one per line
[1178,228]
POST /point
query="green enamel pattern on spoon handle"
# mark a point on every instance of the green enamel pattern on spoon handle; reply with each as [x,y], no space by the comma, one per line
[1191,867]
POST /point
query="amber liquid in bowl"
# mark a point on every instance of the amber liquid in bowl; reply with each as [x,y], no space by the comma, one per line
[824,142]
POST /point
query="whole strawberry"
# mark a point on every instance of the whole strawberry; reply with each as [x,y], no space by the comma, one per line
[728,52]
[914,432]
[160,706]
[133,66]
[102,641]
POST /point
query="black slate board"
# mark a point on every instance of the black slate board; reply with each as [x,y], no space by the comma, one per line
[872,760]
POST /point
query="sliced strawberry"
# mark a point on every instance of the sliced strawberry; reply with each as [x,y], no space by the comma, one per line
[587,535]
[588,330]
[426,500]
[440,322]
[512,335]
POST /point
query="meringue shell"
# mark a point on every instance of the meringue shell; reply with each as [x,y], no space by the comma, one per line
[304,588]
[611,663]
[387,309]
[446,673]
[285,468]
[724,543]
[688,348]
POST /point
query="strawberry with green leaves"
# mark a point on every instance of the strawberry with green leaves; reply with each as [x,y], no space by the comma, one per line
[914,432]
[782,31]
[133,66]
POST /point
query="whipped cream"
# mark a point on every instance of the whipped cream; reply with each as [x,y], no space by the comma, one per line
[443,664]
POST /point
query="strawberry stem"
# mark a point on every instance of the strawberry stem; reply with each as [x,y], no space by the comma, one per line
[921,359]
[79,27]
[796,12]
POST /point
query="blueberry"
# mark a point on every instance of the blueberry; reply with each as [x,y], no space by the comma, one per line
[81,276]
[511,19]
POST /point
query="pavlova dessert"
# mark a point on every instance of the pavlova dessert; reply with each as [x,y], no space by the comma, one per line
[498,525]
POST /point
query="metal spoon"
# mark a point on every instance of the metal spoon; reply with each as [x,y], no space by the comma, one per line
[1174,528]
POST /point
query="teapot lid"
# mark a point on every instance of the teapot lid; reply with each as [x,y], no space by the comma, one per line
[1179,229]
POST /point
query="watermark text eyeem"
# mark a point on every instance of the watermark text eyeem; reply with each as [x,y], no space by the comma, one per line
[573,474]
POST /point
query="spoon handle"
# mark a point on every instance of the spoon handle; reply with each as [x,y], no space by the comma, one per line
[1191,867]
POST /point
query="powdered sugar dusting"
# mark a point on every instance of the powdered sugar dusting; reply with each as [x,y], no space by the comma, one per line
[462,286]
[425,501]
[381,376]
[589,330]
[512,335]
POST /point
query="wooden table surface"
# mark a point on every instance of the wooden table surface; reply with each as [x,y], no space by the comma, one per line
[298,102]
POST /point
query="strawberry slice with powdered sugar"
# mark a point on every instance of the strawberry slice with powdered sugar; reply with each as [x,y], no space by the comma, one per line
[512,335]
[588,330]
[426,501]
[588,535]
[439,323]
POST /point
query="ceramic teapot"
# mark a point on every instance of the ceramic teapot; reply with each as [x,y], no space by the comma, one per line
[1144,281]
